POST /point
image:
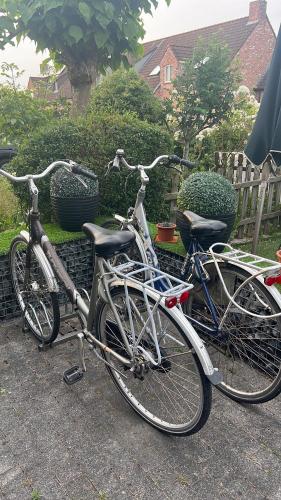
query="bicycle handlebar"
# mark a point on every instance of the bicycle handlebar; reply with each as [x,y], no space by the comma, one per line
[79,170]
[119,158]
[70,165]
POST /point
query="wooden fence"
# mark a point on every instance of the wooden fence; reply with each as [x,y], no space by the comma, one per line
[259,195]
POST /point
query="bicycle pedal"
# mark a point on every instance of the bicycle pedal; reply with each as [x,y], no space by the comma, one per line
[72,375]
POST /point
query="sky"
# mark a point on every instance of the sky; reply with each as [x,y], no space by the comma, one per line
[180,16]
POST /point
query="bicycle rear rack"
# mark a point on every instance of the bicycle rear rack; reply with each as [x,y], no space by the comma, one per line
[259,264]
[260,267]
[155,280]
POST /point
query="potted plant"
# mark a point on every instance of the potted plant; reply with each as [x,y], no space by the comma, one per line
[211,196]
[165,232]
[74,199]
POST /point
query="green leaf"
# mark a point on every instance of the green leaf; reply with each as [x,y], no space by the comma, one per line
[85,11]
[102,20]
[76,33]
[101,38]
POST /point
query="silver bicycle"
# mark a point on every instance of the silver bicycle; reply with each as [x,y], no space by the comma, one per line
[153,354]
[232,307]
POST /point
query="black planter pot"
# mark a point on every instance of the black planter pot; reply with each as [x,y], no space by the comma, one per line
[72,213]
[206,242]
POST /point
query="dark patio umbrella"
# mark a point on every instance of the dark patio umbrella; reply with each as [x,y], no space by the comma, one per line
[266,136]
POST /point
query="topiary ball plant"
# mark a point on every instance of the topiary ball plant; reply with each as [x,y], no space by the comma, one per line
[74,199]
[211,196]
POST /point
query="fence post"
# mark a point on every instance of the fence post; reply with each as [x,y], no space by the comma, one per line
[264,183]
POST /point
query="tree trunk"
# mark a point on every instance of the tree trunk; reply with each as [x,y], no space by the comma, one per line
[186,150]
[82,78]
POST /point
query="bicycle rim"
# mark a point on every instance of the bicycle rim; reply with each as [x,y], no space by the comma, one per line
[248,353]
[175,396]
[40,307]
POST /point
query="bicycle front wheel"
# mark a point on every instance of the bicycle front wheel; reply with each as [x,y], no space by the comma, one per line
[175,395]
[247,349]
[39,306]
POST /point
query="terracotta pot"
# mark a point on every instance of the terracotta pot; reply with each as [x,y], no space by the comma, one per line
[165,231]
[278,255]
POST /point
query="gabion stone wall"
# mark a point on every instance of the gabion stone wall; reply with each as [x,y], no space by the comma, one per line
[77,257]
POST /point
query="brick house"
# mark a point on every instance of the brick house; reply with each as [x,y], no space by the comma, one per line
[44,87]
[251,40]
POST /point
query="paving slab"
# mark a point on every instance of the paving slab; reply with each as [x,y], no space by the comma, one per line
[84,442]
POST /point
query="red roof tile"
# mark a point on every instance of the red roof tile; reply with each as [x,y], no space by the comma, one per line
[233,33]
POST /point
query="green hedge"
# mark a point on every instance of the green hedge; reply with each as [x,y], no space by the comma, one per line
[93,142]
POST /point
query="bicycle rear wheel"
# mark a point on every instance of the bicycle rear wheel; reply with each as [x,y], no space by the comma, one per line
[248,351]
[40,307]
[175,396]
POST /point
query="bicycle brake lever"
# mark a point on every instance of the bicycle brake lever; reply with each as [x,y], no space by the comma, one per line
[76,176]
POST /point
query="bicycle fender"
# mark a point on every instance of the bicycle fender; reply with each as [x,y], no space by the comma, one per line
[271,289]
[44,263]
[197,344]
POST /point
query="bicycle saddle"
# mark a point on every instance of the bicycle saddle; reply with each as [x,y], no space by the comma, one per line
[108,243]
[200,226]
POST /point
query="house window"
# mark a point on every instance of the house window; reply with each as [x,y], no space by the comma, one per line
[168,74]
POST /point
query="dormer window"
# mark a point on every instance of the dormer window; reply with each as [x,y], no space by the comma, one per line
[155,71]
[168,73]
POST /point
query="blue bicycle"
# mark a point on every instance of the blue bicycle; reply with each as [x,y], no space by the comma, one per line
[232,305]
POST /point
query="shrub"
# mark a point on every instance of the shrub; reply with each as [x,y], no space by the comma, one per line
[123,92]
[93,143]
[232,133]
[207,193]
[20,114]
[9,206]
[66,185]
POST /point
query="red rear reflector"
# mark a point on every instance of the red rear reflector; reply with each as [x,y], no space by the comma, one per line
[184,297]
[173,301]
[272,280]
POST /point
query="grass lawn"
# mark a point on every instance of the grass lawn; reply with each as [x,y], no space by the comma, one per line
[266,248]
[53,231]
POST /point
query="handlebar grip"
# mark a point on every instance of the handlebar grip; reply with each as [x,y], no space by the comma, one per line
[77,169]
[187,163]
[180,161]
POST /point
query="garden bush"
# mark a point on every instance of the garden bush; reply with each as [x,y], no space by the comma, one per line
[207,193]
[9,206]
[123,92]
[93,142]
[21,114]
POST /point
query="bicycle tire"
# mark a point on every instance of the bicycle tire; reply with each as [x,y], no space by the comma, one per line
[39,306]
[250,347]
[159,382]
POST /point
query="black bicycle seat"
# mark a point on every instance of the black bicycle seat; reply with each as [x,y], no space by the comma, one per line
[108,243]
[203,227]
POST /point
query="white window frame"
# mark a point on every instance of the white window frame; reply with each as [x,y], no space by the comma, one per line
[168,69]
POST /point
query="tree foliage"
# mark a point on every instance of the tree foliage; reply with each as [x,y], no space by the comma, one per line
[124,91]
[86,36]
[20,115]
[203,92]
[231,135]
